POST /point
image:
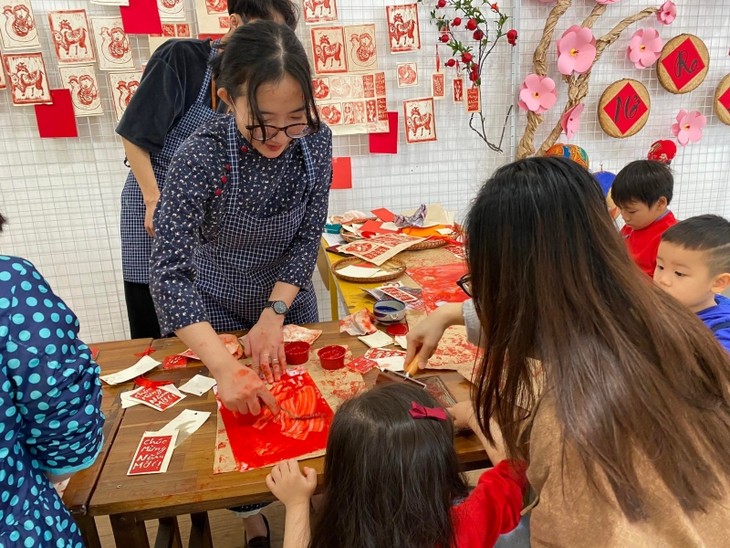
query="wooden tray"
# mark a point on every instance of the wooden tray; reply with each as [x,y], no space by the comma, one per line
[395,268]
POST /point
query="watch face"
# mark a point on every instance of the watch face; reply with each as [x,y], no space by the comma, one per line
[279,307]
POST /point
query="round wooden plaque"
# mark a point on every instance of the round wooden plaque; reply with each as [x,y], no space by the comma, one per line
[683,64]
[624,108]
[722,100]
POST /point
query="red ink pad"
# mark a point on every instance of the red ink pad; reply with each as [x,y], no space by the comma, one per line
[397,329]
[297,352]
[332,357]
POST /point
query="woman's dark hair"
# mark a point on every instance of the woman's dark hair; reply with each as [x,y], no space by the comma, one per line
[643,181]
[265,9]
[633,375]
[3,222]
[259,53]
[389,479]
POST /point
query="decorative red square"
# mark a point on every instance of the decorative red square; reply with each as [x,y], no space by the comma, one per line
[725,100]
[683,64]
[626,108]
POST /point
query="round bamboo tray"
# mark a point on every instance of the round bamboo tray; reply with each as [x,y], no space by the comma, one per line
[428,244]
[394,267]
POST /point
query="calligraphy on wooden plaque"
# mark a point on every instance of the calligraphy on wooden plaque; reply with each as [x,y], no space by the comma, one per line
[624,108]
[722,100]
[683,64]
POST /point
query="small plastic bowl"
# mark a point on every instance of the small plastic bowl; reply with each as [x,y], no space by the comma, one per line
[332,357]
[297,352]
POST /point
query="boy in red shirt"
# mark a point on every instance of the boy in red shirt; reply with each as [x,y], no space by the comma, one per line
[642,191]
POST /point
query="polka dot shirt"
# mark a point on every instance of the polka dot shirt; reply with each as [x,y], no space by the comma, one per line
[50,417]
[231,223]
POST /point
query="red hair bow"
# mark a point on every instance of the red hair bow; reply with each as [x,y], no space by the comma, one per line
[419,411]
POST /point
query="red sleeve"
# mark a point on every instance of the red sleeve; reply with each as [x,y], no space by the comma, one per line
[492,508]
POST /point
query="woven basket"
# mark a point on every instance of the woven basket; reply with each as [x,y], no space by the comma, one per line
[394,267]
[432,243]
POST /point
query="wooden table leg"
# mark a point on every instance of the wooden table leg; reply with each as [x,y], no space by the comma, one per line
[89,533]
[168,534]
[129,532]
[200,536]
[334,302]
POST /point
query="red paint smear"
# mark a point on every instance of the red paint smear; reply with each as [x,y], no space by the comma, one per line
[254,447]
[439,284]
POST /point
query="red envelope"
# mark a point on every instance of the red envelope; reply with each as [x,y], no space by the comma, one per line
[341,173]
[362,365]
[141,17]
[153,454]
[386,143]
[57,120]
[384,215]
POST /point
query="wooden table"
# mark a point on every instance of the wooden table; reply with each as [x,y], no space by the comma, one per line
[113,357]
[189,486]
[352,294]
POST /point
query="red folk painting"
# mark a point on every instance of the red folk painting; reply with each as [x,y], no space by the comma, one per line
[439,284]
[300,428]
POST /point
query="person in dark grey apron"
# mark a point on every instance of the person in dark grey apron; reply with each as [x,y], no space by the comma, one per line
[173,100]
[241,214]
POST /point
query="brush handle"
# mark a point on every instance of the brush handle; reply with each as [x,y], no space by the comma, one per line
[412,368]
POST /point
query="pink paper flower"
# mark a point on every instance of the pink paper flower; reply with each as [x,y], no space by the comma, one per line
[688,128]
[570,122]
[667,13]
[645,48]
[576,50]
[537,94]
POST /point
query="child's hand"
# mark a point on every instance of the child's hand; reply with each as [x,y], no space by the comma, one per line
[463,415]
[291,485]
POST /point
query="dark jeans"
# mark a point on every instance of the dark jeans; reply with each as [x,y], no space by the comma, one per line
[141,311]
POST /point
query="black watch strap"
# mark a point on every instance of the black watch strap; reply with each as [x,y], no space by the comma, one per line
[279,307]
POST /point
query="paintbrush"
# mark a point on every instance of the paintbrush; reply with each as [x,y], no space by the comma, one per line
[411,369]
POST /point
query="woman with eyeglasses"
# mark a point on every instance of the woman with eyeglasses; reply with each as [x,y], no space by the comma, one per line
[628,433]
[241,214]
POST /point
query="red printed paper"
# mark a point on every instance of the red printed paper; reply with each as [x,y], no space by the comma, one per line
[380,353]
[458,250]
[319,11]
[153,453]
[174,362]
[407,74]
[84,87]
[439,284]
[112,44]
[398,294]
[71,36]
[294,333]
[473,99]
[19,29]
[420,123]
[403,31]
[626,108]
[458,90]
[28,78]
[683,64]
[438,85]
[57,120]
[300,428]
[156,397]
[361,51]
[361,365]
[328,47]
[386,143]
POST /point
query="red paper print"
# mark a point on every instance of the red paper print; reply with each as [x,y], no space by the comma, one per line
[379,83]
[361,365]
[398,294]
[321,88]
[457,250]
[419,119]
[341,173]
[473,99]
[438,85]
[71,36]
[328,46]
[263,440]
[439,284]
[150,455]
[683,64]
[383,115]
[319,11]
[331,114]
[57,120]
[379,353]
[626,108]
[368,85]
[174,362]
[28,78]
[458,90]
[141,17]
[454,349]
[156,397]
[293,333]
[403,32]
[361,51]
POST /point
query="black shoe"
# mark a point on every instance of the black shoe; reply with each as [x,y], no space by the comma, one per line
[261,542]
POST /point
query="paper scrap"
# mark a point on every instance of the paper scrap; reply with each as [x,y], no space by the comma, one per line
[333,239]
[361,365]
[394,363]
[185,424]
[385,143]
[400,340]
[153,453]
[445,231]
[378,353]
[57,120]
[377,340]
[361,271]
[198,385]
[341,173]
[380,248]
[145,364]
[359,323]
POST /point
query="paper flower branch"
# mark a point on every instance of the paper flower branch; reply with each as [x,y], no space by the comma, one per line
[467,18]
[578,52]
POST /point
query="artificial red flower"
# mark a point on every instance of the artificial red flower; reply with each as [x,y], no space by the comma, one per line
[478,34]
[450,62]
[471,24]
[466,57]
[512,37]
[444,38]
[456,22]
[495,7]
[441,4]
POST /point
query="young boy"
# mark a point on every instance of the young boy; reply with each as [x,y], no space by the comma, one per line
[642,191]
[693,266]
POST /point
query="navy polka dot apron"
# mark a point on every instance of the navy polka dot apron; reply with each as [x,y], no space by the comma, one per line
[237,267]
[136,243]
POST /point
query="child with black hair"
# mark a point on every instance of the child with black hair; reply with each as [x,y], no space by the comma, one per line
[642,191]
[693,266]
[391,478]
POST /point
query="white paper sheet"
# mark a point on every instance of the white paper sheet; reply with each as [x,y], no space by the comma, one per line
[145,364]
[198,385]
[396,363]
[361,271]
[377,340]
[186,423]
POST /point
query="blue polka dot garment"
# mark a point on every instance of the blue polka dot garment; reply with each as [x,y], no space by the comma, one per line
[50,417]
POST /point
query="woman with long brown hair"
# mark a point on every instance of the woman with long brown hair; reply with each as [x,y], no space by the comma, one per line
[629,439]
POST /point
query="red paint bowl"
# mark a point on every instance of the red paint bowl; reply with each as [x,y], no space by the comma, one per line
[332,357]
[297,352]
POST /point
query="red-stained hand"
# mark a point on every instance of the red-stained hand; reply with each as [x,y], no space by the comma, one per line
[242,391]
[264,344]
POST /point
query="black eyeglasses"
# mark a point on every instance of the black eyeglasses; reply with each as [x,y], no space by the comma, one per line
[293,131]
[465,284]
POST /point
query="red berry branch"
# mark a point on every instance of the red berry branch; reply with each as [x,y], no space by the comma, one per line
[481,26]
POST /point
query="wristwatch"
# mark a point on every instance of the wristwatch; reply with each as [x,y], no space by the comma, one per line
[278,306]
